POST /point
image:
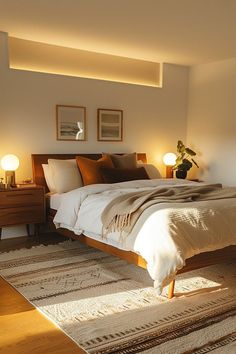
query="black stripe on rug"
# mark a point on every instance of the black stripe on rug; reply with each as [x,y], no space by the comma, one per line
[77,289]
[218,343]
[157,337]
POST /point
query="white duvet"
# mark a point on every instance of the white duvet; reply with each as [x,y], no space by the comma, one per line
[165,235]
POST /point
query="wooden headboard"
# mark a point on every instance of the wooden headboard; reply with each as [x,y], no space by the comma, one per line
[39,159]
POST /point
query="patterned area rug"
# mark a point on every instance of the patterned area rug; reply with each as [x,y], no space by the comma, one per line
[108,306]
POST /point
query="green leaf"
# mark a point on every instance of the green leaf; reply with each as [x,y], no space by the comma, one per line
[178,160]
[181,166]
[187,162]
[184,166]
[195,163]
[190,152]
[180,146]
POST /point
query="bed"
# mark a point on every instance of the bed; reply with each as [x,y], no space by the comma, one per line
[197,261]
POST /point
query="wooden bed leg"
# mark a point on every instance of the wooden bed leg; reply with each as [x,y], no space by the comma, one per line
[171,289]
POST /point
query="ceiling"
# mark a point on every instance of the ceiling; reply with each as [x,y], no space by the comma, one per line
[184,32]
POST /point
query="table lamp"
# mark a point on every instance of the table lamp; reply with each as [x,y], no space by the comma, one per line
[169,160]
[9,164]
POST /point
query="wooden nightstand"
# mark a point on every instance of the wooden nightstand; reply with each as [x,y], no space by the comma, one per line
[24,205]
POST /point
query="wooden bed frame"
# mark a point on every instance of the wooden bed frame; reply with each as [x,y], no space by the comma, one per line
[199,261]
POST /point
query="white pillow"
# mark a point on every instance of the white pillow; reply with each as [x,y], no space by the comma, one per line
[65,174]
[48,178]
[151,170]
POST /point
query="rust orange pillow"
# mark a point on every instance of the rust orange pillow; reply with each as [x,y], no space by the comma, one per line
[90,169]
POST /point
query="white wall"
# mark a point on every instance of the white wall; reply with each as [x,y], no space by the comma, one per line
[154,118]
[211,128]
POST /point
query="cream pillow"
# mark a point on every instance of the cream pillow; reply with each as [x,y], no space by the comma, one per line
[151,170]
[65,175]
[48,178]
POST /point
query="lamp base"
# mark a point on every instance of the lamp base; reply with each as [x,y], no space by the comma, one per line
[10,179]
[169,172]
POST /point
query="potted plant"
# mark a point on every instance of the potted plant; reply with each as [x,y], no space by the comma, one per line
[184,160]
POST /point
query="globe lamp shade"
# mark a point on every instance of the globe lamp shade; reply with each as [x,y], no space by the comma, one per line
[9,164]
[169,160]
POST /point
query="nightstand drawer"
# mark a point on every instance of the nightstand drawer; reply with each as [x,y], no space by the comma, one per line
[24,205]
[18,215]
[21,197]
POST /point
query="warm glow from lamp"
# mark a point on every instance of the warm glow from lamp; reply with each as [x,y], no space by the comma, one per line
[169,160]
[9,164]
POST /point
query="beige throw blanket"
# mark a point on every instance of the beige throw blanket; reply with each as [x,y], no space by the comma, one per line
[122,212]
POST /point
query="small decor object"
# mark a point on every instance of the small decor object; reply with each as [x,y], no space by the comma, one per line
[184,160]
[71,123]
[169,160]
[27,181]
[110,125]
[9,164]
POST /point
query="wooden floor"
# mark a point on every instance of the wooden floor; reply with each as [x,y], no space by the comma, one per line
[23,329]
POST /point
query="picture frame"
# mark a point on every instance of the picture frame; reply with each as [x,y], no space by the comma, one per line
[71,123]
[109,124]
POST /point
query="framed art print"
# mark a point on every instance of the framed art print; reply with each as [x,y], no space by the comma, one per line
[71,123]
[110,124]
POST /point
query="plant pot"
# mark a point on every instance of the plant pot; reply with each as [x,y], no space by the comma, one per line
[181,174]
